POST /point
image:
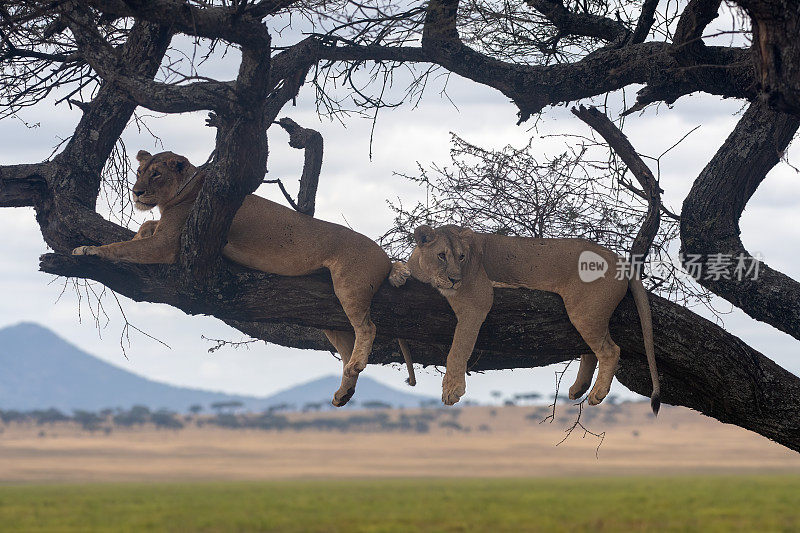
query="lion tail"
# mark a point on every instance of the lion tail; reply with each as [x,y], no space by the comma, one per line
[646,318]
[412,378]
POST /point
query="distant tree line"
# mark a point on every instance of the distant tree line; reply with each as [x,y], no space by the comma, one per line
[378,419]
[105,419]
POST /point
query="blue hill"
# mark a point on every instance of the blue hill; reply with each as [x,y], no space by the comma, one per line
[39,370]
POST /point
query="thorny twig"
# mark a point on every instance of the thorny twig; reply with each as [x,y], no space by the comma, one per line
[586,431]
[234,344]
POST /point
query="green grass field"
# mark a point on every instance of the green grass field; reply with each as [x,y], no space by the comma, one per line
[612,504]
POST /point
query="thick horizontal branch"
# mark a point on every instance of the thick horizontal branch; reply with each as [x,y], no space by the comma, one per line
[702,366]
[229,23]
[21,185]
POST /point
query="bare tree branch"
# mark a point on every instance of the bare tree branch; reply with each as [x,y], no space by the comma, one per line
[688,46]
[227,23]
[239,166]
[21,185]
[646,20]
[584,24]
[153,95]
[311,141]
[619,142]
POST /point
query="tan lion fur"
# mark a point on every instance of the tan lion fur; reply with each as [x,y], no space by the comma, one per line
[266,236]
[464,265]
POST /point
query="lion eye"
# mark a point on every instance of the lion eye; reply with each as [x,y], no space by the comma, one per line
[442,256]
[461,257]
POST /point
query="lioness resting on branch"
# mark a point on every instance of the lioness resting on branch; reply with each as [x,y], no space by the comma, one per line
[462,265]
[266,236]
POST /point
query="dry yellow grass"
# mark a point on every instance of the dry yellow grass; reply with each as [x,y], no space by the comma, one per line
[678,441]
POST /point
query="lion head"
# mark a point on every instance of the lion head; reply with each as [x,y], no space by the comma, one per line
[444,255]
[159,178]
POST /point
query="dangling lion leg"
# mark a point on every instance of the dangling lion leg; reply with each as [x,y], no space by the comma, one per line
[593,328]
[355,288]
[607,353]
[343,341]
[365,335]
[584,378]
[356,307]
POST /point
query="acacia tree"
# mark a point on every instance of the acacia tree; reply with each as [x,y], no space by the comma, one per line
[538,53]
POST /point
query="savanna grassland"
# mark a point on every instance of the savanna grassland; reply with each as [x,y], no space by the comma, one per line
[468,442]
[473,469]
[742,503]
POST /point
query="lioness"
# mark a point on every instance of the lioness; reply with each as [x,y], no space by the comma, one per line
[266,236]
[462,265]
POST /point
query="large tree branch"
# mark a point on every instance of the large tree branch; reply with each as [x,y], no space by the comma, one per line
[534,87]
[230,23]
[710,219]
[161,97]
[702,366]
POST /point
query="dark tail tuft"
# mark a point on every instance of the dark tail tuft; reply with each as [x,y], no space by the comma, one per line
[655,402]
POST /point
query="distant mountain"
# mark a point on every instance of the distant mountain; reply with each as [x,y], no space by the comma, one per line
[39,370]
[322,389]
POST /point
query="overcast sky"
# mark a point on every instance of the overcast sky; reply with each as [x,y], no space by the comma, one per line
[354,190]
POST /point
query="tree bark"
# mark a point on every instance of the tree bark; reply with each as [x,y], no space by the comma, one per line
[776,27]
[711,211]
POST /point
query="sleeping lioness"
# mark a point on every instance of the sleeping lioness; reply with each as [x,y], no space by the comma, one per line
[462,265]
[266,236]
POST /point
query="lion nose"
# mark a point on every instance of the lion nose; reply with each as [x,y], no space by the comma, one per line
[454,280]
[137,194]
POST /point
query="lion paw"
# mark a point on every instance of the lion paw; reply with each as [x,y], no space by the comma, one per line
[399,274]
[342,397]
[598,394]
[147,229]
[453,389]
[578,390]
[85,250]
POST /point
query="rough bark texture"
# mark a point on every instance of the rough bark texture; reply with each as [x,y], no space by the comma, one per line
[776,27]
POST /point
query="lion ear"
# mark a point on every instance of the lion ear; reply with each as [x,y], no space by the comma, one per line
[143,155]
[424,234]
[177,163]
